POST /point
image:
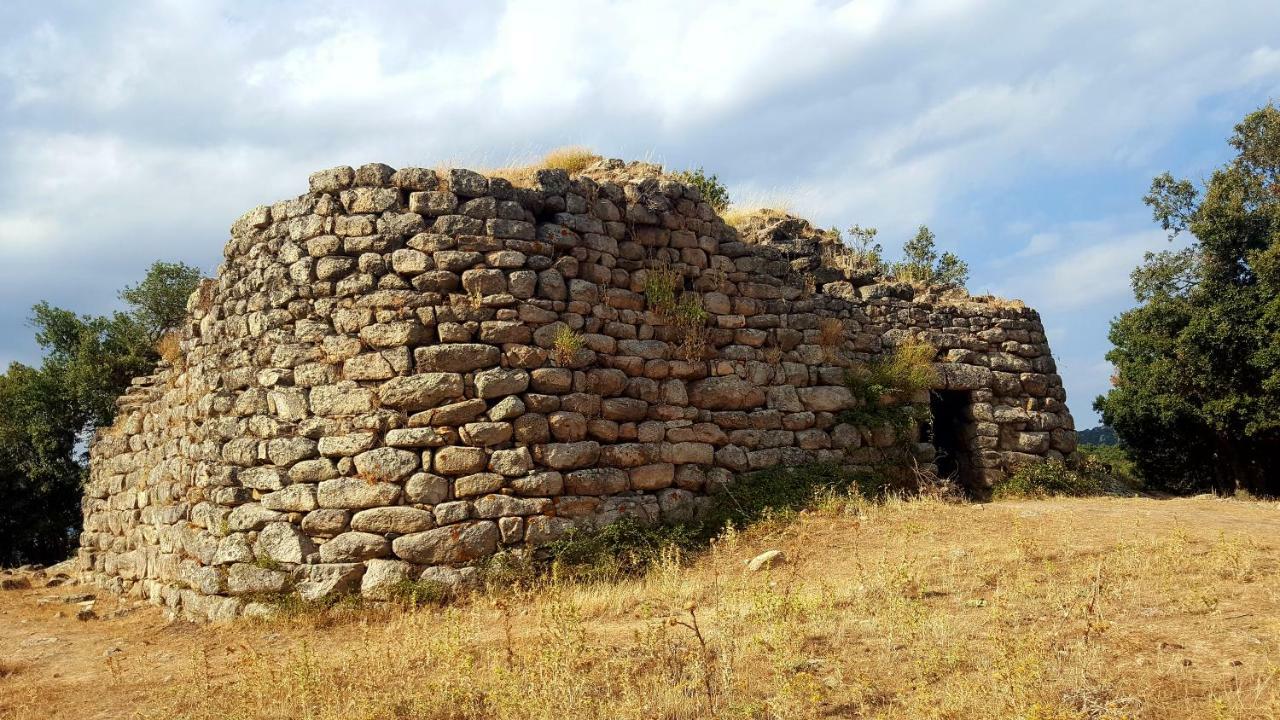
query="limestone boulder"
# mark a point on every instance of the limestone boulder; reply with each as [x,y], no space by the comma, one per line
[826,398]
[496,506]
[567,456]
[540,484]
[320,582]
[252,516]
[499,382]
[511,463]
[294,498]
[382,578]
[245,579]
[459,460]
[426,489]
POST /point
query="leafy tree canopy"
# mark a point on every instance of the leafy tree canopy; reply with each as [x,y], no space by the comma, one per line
[47,413]
[1196,396]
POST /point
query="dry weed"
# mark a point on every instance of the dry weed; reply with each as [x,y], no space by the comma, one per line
[571,159]
[912,608]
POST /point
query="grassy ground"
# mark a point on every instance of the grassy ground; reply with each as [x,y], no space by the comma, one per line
[1061,608]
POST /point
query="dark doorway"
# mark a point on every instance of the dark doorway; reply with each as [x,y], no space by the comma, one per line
[948,433]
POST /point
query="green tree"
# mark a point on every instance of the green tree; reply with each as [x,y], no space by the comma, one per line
[1196,396]
[48,413]
[866,252]
[922,263]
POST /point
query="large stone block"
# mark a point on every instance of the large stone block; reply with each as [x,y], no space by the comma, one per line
[459,460]
[596,481]
[567,456]
[354,493]
[497,382]
[283,542]
[458,543]
[728,392]
[392,520]
[826,398]
[354,547]
[243,579]
[420,392]
[320,582]
[382,578]
[386,464]
[456,358]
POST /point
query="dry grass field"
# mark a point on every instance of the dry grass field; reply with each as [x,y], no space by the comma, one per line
[1064,608]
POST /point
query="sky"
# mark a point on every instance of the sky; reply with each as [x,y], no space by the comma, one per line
[1023,133]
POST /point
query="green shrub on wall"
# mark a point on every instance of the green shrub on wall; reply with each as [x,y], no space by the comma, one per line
[713,191]
[884,388]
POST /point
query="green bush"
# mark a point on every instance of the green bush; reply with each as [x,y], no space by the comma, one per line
[420,592]
[1048,479]
[785,490]
[628,546]
[1111,460]
[47,412]
[713,191]
[864,252]
[624,547]
[921,263]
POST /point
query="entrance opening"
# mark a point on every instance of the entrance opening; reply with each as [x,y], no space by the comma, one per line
[947,432]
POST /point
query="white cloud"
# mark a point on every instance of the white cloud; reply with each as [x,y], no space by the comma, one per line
[1039,244]
[146,128]
[23,234]
[1091,267]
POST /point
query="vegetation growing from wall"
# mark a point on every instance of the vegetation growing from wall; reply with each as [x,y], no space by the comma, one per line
[565,345]
[573,159]
[865,252]
[921,262]
[714,193]
[1196,396]
[683,310]
[885,387]
[47,413]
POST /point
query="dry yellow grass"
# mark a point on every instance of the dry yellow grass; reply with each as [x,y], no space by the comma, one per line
[1063,609]
[571,159]
[169,347]
[739,215]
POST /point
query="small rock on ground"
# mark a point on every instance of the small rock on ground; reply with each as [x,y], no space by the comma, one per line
[766,560]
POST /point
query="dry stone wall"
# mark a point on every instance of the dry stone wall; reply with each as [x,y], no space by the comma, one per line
[401,372]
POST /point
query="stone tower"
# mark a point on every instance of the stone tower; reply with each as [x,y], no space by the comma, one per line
[403,371]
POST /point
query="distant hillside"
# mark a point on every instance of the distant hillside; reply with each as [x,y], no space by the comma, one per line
[1101,435]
